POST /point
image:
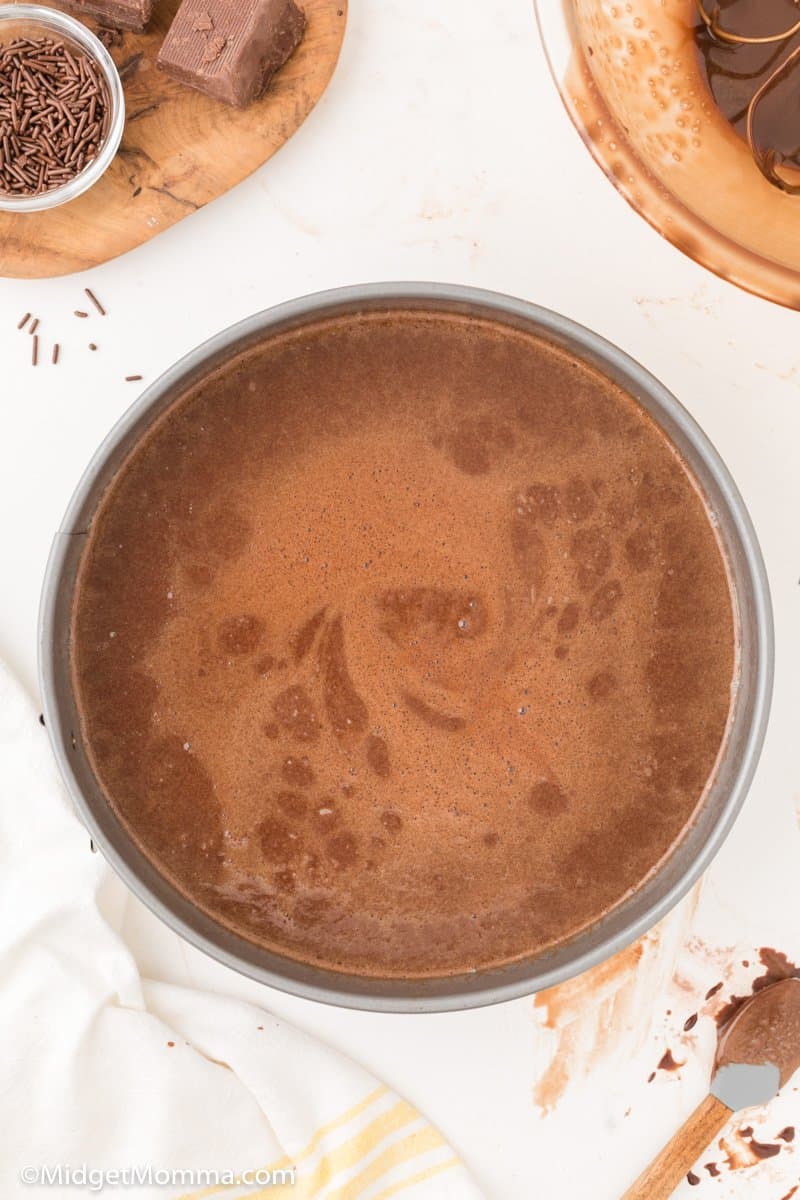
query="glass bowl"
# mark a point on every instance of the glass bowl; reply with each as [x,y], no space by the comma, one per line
[32,20]
[628,74]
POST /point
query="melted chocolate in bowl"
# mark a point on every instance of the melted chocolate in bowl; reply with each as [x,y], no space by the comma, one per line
[662,107]
[404,644]
[734,72]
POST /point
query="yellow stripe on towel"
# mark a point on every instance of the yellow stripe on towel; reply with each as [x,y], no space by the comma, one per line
[284,1163]
[420,1177]
[349,1154]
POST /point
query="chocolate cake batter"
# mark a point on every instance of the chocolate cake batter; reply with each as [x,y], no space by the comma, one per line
[404,644]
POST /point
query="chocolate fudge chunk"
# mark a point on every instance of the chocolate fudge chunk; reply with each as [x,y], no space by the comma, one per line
[230,49]
[118,14]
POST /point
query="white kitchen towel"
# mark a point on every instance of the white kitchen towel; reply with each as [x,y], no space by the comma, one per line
[152,1090]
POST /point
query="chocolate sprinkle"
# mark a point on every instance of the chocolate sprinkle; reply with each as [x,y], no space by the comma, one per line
[34,326]
[82,315]
[133,378]
[713,991]
[56,354]
[35,351]
[692,1179]
[787,1134]
[713,1170]
[53,110]
[95,301]
[690,1022]
[24,321]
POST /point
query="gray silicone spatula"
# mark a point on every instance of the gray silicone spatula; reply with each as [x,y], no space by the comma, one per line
[757,1054]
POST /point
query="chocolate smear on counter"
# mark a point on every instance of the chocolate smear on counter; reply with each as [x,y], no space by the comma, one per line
[690,1022]
[787,1134]
[764,1150]
[747,1132]
[692,1179]
[668,1062]
[776,967]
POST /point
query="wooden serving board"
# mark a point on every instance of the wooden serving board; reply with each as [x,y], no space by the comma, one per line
[179,150]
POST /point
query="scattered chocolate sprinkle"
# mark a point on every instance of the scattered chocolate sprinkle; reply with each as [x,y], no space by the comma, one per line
[713,991]
[692,1179]
[35,351]
[53,114]
[791,1192]
[787,1134]
[92,346]
[690,1022]
[56,354]
[41,718]
[668,1063]
[651,1077]
[713,1170]
[34,326]
[170,1044]
[81,314]
[24,321]
[764,1150]
[95,301]
[133,378]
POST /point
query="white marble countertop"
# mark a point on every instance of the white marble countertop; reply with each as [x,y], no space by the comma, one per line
[441,152]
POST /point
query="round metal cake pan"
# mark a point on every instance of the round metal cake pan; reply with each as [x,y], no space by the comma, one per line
[636,914]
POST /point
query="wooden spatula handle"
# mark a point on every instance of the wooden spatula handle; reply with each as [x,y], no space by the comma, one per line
[678,1157]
